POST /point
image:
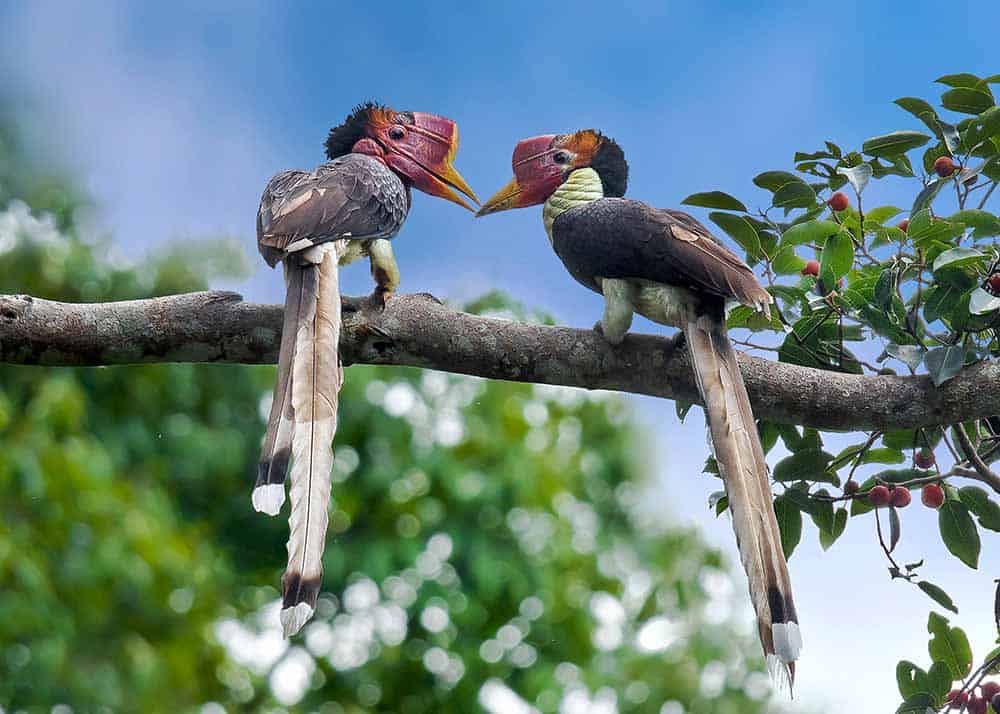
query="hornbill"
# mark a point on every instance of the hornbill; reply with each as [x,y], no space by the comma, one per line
[312,221]
[666,266]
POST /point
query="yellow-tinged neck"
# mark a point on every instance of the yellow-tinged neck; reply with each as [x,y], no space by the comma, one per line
[582,187]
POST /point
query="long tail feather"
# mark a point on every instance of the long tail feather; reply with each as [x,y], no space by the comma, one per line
[744,471]
[276,451]
[316,380]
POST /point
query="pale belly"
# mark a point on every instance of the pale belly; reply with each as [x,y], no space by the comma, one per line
[355,249]
[663,304]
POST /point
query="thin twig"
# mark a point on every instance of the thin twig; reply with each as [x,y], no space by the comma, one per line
[985,472]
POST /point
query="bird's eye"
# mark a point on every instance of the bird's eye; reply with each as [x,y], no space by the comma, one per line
[396,133]
[560,157]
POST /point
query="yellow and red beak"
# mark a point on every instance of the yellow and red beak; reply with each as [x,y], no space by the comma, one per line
[425,155]
[536,176]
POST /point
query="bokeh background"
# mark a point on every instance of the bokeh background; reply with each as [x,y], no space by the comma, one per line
[494,547]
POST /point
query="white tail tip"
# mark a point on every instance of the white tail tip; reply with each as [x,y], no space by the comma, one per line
[781,675]
[787,641]
[293,618]
[268,498]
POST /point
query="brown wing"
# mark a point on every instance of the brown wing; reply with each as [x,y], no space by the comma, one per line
[622,238]
[354,196]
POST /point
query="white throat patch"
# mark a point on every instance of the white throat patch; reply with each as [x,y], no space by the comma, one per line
[582,186]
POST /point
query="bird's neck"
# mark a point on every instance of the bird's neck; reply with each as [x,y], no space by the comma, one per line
[582,187]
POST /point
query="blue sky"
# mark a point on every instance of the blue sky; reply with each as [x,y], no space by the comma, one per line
[176,116]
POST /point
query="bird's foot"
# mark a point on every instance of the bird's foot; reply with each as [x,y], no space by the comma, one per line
[610,339]
[379,298]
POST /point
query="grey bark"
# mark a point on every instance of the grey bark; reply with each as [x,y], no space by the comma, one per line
[419,331]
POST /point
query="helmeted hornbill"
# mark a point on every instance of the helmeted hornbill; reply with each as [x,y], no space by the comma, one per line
[669,268]
[346,208]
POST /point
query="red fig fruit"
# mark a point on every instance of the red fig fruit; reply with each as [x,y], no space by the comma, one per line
[838,201]
[932,495]
[879,496]
[944,166]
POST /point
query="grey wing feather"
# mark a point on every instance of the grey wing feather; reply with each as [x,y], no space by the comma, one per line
[353,196]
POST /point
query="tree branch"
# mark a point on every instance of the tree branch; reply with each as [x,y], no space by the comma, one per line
[419,331]
[986,474]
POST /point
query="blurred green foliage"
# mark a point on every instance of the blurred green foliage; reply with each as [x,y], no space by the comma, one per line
[488,540]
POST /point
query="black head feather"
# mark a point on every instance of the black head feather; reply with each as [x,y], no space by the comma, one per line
[609,163]
[342,138]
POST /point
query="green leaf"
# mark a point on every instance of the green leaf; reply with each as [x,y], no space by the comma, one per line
[821,511]
[773,180]
[950,135]
[789,523]
[967,100]
[768,432]
[837,257]
[858,176]
[798,493]
[742,316]
[828,538]
[682,408]
[885,289]
[926,197]
[883,455]
[794,195]
[898,475]
[992,655]
[810,232]
[804,465]
[938,595]
[896,166]
[982,302]
[941,301]
[958,258]
[982,128]
[943,363]
[740,230]
[786,262]
[921,703]
[949,645]
[939,680]
[962,79]
[979,503]
[937,230]
[715,199]
[911,355]
[907,438]
[958,531]
[880,215]
[911,679]
[921,110]
[898,142]
[893,528]
[983,223]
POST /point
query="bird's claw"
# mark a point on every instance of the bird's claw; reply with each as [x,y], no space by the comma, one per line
[614,339]
[379,298]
